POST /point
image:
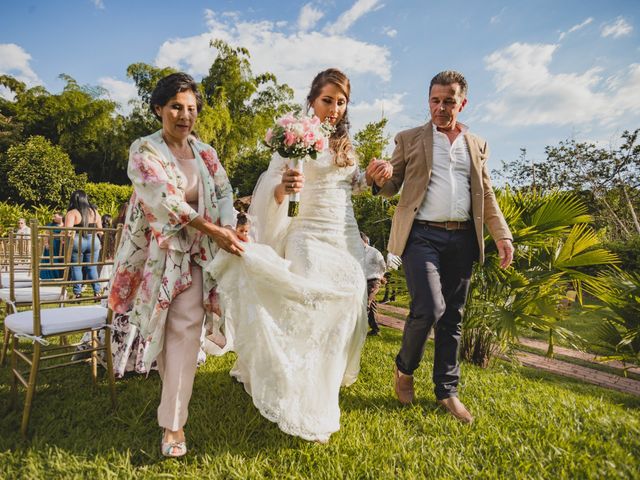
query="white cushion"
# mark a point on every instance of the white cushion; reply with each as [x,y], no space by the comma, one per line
[58,320]
[20,279]
[25,295]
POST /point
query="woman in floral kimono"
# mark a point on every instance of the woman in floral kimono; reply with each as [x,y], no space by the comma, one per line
[180,213]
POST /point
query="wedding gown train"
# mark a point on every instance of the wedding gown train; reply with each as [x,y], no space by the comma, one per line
[295,302]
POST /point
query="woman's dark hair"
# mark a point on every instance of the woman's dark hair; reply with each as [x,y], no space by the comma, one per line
[122,213]
[79,201]
[339,141]
[169,86]
[242,219]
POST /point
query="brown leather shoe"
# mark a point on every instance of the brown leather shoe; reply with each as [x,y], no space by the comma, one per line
[456,408]
[404,386]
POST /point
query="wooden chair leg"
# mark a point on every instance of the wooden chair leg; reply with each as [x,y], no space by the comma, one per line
[94,358]
[5,345]
[14,379]
[31,388]
[110,374]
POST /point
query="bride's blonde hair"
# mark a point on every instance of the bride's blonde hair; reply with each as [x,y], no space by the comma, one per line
[340,143]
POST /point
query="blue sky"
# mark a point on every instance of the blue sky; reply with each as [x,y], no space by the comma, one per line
[539,71]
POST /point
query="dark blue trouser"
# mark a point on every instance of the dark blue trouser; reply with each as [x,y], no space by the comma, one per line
[437,265]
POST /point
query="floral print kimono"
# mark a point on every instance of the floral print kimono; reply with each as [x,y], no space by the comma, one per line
[153,262]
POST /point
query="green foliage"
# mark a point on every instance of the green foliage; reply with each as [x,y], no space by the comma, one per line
[78,120]
[248,170]
[10,213]
[108,197]
[620,294]
[629,251]
[610,177]
[146,77]
[38,172]
[555,251]
[370,142]
[373,214]
[240,106]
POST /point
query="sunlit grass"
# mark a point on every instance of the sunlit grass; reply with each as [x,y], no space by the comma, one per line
[528,425]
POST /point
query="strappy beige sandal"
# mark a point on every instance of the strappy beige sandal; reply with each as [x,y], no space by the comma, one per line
[172,449]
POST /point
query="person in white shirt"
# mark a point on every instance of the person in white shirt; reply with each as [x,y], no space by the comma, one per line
[23,230]
[445,201]
[374,268]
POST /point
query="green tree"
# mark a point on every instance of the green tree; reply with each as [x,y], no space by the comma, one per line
[11,130]
[78,120]
[370,142]
[38,172]
[609,178]
[243,105]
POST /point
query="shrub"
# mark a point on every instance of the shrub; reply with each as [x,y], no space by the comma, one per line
[9,215]
[629,251]
[108,197]
[38,173]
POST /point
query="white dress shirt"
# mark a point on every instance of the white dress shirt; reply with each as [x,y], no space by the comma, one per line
[374,265]
[449,193]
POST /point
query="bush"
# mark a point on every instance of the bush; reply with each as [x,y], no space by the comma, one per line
[38,173]
[9,215]
[108,197]
[629,251]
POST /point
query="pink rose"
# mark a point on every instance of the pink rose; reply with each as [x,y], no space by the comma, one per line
[320,144]
[289,138]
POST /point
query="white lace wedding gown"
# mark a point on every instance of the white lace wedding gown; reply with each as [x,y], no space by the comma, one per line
[298,323]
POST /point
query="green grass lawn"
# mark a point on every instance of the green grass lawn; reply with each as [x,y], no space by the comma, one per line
[528,425]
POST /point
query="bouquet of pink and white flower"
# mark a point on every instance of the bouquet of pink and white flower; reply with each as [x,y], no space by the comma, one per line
[298,138]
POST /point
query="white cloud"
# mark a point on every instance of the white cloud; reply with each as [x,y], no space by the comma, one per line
[364,112]
[309,17]
[390,32]
[575,28]
[120,92]
[618,28]
[348,18]
[98,4]
[294,57]
[529,93]
[14,61]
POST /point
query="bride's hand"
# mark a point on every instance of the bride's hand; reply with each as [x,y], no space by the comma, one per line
[379,171]
[292,182]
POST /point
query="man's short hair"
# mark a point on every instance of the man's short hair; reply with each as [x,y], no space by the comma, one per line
[449,77]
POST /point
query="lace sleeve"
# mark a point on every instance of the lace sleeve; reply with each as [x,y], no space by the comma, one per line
[269,220]
[359,181]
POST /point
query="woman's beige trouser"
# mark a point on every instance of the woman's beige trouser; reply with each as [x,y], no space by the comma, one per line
[178,360]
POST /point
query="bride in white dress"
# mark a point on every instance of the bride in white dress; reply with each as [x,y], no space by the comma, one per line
[295,302]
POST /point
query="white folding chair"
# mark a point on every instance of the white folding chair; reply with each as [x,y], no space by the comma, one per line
[68,316]
[18,291]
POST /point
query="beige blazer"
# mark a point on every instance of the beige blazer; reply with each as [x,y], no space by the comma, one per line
[412,161]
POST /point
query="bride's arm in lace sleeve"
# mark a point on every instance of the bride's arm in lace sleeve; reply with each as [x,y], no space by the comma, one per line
[359,181]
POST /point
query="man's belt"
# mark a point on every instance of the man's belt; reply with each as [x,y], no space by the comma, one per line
[449,225]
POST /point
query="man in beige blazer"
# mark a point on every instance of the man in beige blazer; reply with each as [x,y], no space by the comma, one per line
[437,229]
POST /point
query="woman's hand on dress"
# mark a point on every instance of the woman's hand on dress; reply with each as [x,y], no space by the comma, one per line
[227,239]
[378,171]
